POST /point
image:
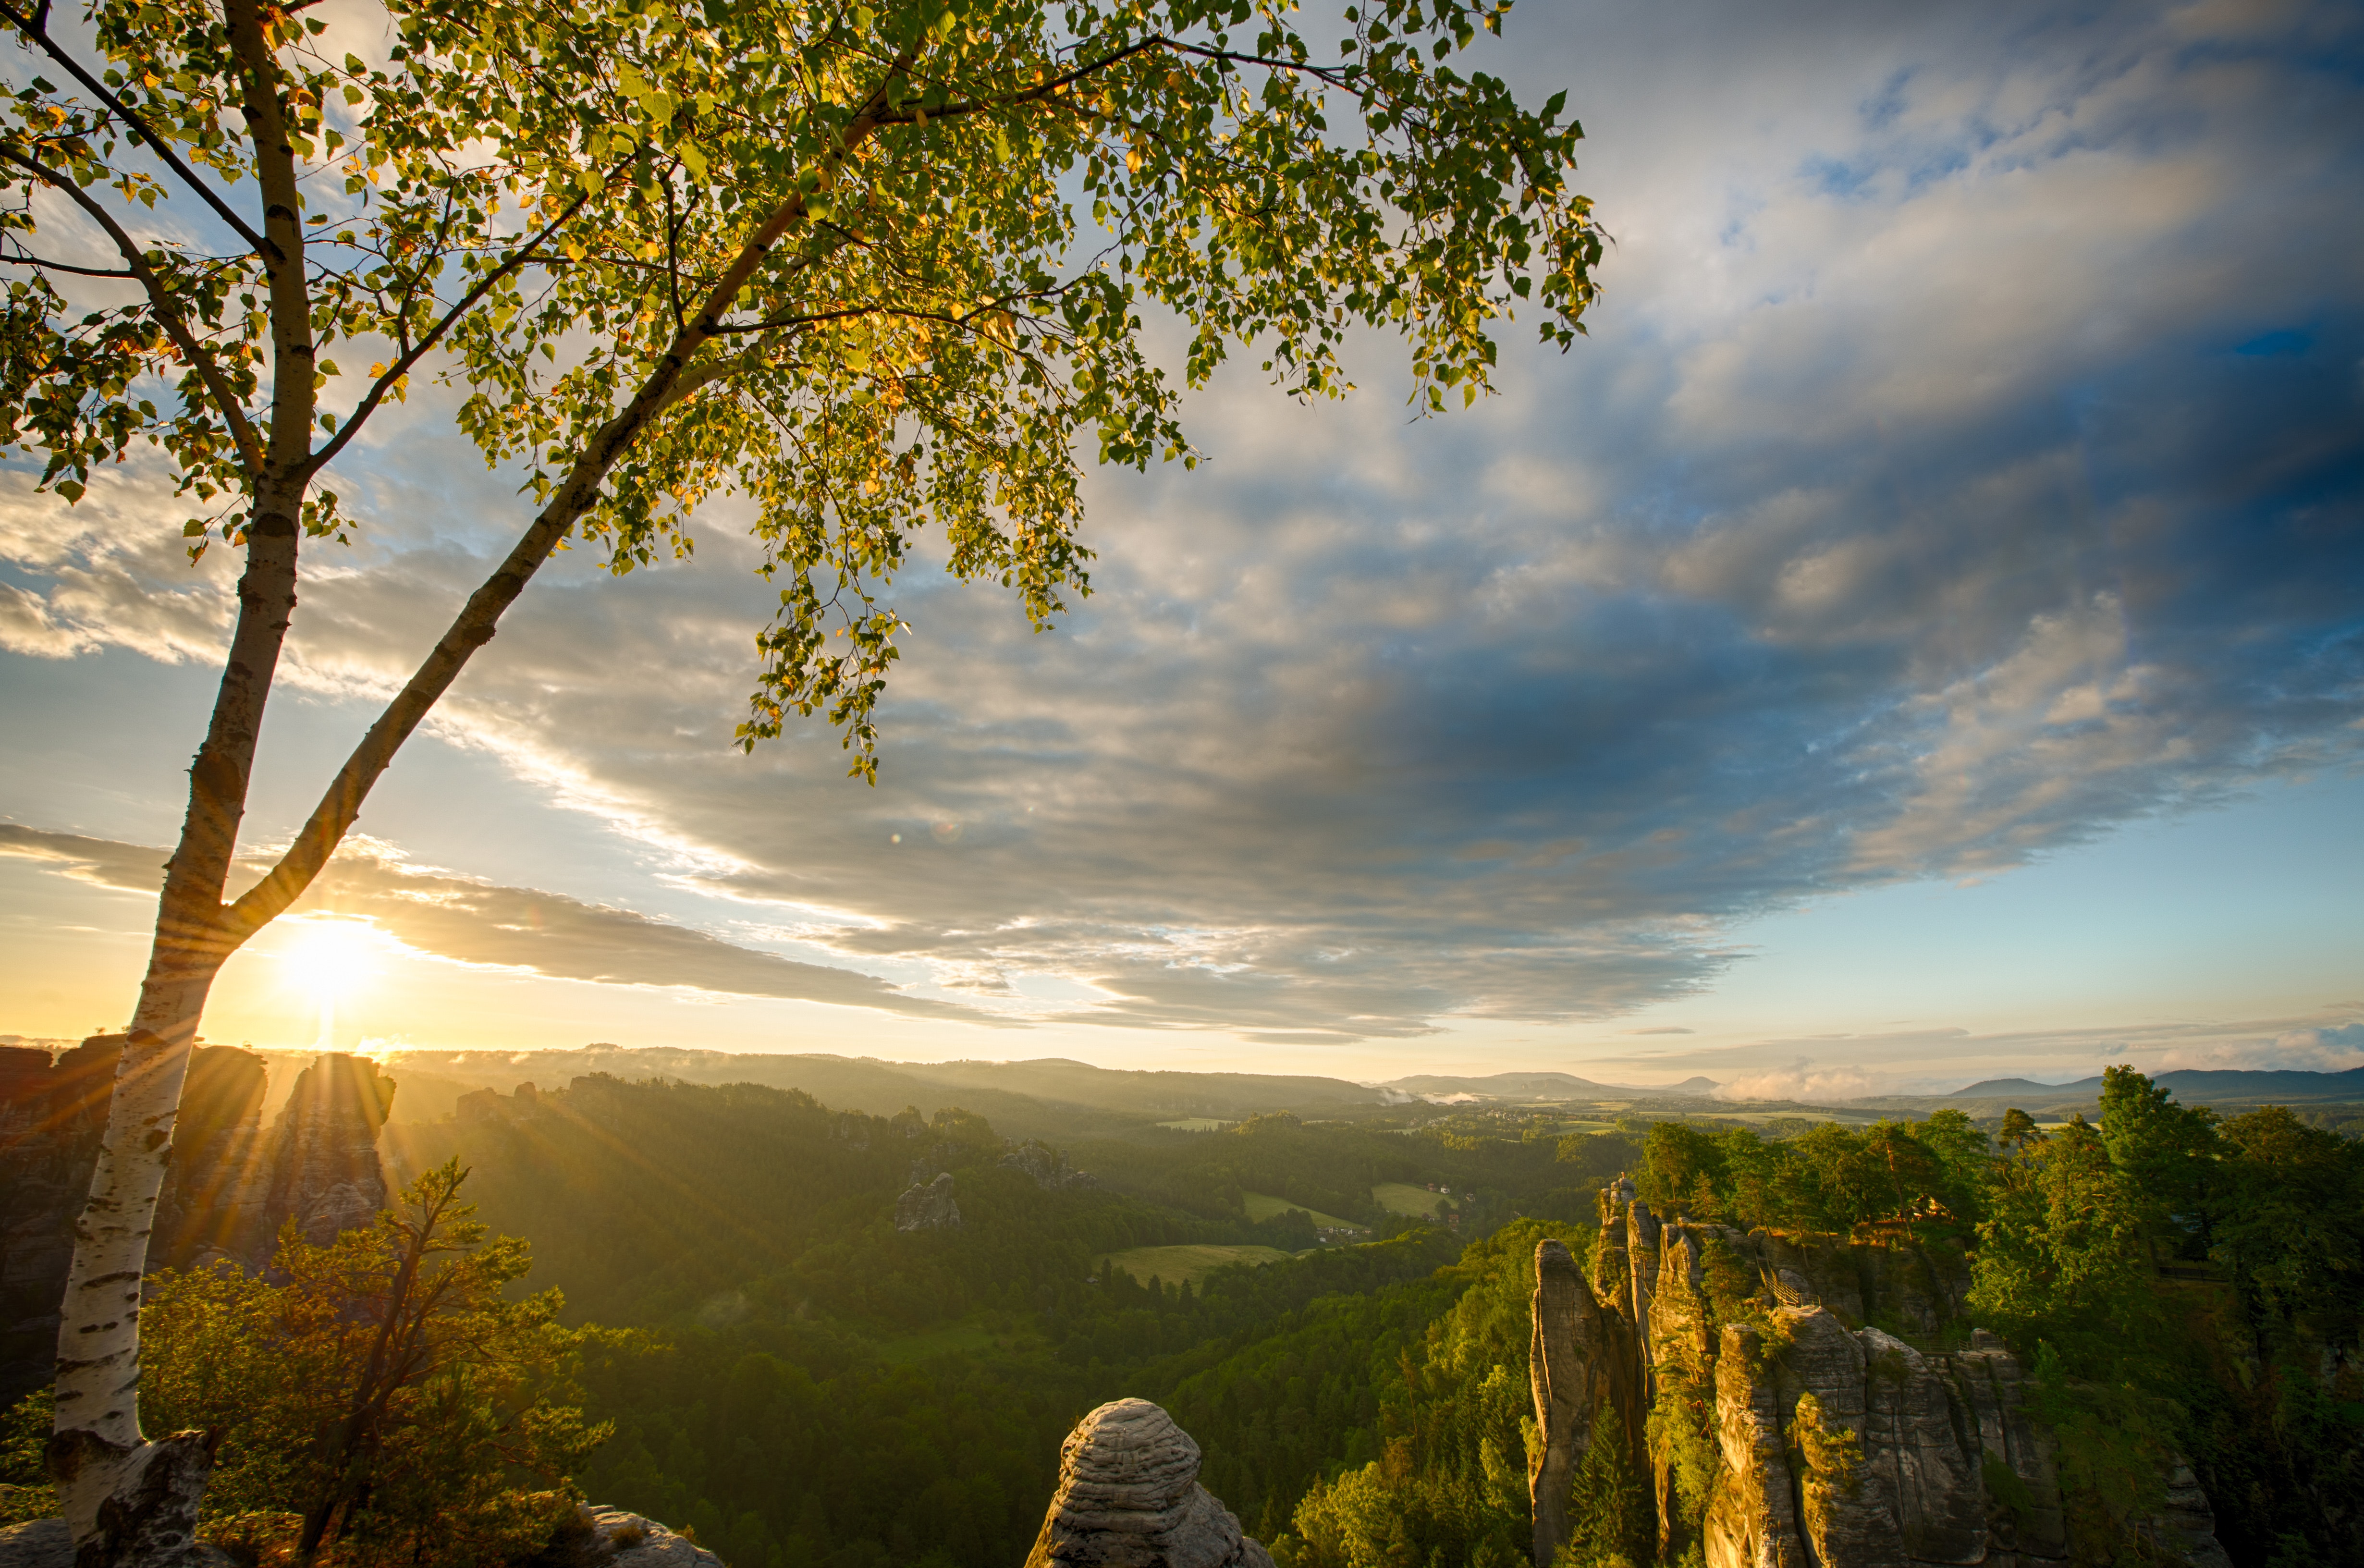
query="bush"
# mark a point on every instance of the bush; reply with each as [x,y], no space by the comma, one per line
[378,1398]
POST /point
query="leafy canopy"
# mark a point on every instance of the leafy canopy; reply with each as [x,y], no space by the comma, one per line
[870,266]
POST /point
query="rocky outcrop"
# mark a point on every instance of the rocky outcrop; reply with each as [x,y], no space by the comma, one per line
[324,1169]
[596,1536]
[927,1205]
[2185,1531]
[230,1186]
[50,1119]
[1047,1167]
[492,1105]
[37,1543]
[601,1536]
[1752,1514]
[1569,1361]
[1831,1441]
[217,1190]
[1129,1498]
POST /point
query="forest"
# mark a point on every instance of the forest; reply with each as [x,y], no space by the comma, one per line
[722,1328]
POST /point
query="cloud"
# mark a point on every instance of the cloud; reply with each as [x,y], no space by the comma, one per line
[475,922]
[1939,1061]
[2336,1048]
[1912,511]
[28,626]
[1802,1079]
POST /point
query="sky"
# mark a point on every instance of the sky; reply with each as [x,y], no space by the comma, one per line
[1918,636]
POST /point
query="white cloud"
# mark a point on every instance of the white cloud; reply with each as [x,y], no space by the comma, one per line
[1802,1079]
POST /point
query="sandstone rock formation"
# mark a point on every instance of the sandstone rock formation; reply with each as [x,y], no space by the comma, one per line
[491,1105]
[611,1538]
[1129,1498]
[927,1205]
[325,1174]
[1832,1441]
[1047,1167]
[228,1189]
[598,1536]
[50,1119]
[37,1543]
[1569,1362]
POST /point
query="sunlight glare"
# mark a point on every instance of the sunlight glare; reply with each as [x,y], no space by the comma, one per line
[334,960]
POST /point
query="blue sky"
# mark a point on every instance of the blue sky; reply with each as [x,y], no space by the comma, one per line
[1917,636]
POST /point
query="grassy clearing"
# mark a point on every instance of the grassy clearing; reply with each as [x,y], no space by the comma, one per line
[1193,1264]
[1402,1197]
[1263,1205]
[954,1338]
[1197,1123]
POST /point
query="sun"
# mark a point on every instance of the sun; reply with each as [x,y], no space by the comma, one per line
[333,960]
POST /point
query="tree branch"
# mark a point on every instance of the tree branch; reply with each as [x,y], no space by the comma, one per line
[1328,75]
[341,804]
[36,28]
[25,260]
[200,358]
[1045,89]
[401,367]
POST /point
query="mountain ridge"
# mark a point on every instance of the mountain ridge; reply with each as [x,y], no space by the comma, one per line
[2193,1085]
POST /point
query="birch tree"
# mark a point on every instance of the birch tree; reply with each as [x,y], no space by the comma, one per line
[875,266]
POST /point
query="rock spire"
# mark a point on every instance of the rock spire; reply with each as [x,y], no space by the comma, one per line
[1129,1498]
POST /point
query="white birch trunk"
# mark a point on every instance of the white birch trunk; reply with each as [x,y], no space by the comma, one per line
[98,1332]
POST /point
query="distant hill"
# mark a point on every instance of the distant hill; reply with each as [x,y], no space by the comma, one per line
[1163,1095]
[1544,1087]
[1050,1096]
[2002,1088]
[2195,1086]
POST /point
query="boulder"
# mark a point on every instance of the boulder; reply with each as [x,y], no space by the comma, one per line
[1129,1498]
[928,1206]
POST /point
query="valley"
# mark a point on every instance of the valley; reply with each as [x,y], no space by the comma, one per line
[808,1375]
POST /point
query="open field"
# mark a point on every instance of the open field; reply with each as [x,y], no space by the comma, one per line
[1402,1197]
[964,1337]
[1194,1264]
[1263,1205]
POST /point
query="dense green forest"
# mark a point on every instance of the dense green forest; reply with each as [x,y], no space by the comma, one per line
[800,1383]
[832,1391]
[2184,1285]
